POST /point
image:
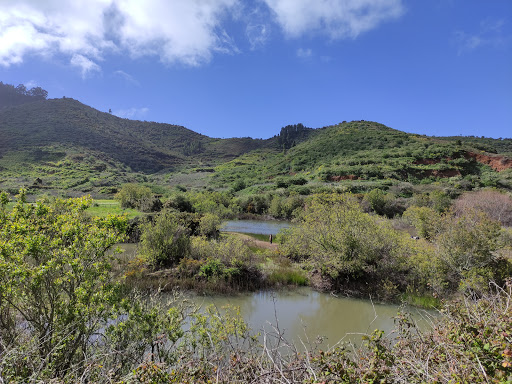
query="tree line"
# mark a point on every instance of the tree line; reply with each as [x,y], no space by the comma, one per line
[11,95]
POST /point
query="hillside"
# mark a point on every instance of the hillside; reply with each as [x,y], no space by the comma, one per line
[362,155]
[142,146]
[62,144]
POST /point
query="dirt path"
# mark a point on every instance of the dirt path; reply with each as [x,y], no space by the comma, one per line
[255,242]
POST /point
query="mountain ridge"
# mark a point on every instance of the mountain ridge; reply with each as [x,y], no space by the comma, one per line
[70,145]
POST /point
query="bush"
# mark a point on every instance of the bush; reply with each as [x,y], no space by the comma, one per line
[165,241]
[336,238]
[56,291]
[132,195]
[497,205]
[179,202]
[428,222]
[467,251]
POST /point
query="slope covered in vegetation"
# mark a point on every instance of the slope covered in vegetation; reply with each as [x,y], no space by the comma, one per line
[64,145]
[372,154]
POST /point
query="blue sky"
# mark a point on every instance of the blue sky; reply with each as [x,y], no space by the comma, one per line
[235,68]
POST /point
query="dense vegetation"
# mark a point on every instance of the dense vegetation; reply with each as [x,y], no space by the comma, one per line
[64,319]
[60,146]
[398,216]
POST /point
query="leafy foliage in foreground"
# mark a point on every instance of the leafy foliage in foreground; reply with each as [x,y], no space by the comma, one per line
[64,320]
[55,286]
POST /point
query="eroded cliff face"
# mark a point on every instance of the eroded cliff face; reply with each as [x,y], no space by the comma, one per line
[496,162]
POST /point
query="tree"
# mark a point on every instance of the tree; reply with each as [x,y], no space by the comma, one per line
[56,290]
[38,93]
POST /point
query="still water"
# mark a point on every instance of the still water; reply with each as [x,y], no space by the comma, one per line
[305,313]
[263,227]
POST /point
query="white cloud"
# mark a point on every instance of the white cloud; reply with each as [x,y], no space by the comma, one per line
[335,18]
[31,84]
[176,31]
[132,113]
[489,34]
[127,77]
[304,53]
[86,65]
[257,34]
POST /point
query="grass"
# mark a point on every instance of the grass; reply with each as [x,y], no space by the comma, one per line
[281,271]
[102,208]
[422,301]
[288,276]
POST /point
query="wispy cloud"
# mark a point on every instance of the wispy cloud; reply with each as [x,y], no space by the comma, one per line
[304,53]
[257,34]
[127,77]
[334,18]
[132,113]
[30,84]
[87,66]
[490,34]
[186,32]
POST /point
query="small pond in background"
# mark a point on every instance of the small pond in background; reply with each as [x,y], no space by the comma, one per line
[263,227]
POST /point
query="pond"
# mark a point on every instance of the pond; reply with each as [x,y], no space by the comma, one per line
[304,313]
[263,227]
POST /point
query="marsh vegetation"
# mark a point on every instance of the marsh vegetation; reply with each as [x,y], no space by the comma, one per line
[73,311]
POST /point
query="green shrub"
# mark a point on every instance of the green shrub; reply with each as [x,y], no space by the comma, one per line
[338,239]
[165,241]
[209,225]
[467,251]
[131,195]
[56,290]
[428,222]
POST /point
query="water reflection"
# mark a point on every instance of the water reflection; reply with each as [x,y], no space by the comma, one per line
[304,313]
[254,226]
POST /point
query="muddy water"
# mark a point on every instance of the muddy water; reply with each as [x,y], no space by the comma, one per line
[305,314]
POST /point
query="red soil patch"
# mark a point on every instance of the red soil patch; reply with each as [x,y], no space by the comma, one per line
[498,163]
[345,177]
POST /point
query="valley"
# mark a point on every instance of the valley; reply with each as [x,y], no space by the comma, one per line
[111,223]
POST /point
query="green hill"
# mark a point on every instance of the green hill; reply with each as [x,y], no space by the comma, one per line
[142,146]
[362,152]
[64,145]
[70,146]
